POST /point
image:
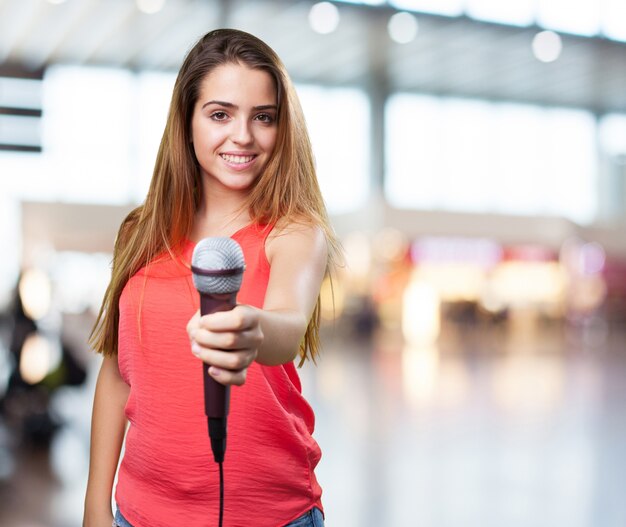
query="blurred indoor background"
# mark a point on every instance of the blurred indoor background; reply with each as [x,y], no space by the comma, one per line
[472,154]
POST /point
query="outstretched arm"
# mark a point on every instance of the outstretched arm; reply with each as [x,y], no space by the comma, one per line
[298,259]
[230,341]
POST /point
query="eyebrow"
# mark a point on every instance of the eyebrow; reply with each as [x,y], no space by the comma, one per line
[231,105]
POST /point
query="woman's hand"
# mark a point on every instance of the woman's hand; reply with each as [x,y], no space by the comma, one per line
[228,341]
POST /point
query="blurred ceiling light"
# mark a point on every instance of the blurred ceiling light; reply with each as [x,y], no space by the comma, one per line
[35,293]
[402,27]
[324,17]
[56,2]
[547,46]
[150,6]
[35,359]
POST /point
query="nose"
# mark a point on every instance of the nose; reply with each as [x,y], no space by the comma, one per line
[242,133]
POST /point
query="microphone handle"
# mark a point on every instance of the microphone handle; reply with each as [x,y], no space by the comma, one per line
[216,395]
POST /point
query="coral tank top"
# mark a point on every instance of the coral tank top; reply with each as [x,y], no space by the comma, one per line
[167,475]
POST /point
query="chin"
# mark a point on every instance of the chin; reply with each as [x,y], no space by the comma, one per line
[239,185]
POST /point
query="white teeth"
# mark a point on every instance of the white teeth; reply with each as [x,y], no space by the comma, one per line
[237,159]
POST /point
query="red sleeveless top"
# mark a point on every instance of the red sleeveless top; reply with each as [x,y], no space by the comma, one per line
[167,475]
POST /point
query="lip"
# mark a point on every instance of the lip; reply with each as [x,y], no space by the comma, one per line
[235,160]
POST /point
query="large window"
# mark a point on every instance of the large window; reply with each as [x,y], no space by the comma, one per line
[88,132]
[465,155]
[338,122]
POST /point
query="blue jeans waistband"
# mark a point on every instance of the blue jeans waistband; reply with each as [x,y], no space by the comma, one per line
[312,518]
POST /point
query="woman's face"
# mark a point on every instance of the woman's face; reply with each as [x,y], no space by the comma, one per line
[233,126]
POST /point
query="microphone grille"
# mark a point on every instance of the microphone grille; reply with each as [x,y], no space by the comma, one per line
[217,265]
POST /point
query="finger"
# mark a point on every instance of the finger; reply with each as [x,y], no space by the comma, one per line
[237,319]
[228,377]
[194,324]
[229,340]
[225,360]
[226,368]
[219,341]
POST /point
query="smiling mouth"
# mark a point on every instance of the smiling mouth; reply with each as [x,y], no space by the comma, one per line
[238,160]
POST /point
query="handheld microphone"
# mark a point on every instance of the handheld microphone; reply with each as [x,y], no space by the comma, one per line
[217,266]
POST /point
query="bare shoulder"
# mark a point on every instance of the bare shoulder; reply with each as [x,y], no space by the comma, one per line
[297,240]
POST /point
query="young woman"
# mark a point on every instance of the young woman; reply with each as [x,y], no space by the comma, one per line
[235,160]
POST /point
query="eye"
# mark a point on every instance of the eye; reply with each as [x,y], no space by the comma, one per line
[219,116]
[265,118]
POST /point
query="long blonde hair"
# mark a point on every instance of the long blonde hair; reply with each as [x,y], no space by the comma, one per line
[287,190]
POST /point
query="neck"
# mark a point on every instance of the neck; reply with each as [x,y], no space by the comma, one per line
[220,214]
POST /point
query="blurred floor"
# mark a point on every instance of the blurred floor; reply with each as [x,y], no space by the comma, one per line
[523,425]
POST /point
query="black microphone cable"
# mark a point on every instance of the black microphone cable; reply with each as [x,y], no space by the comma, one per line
[221,518]
[217,433]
